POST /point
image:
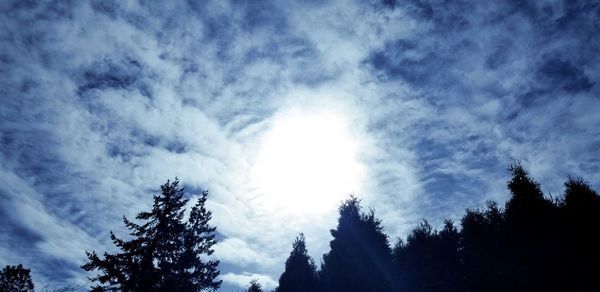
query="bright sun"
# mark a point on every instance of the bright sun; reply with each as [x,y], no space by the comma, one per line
[307,163]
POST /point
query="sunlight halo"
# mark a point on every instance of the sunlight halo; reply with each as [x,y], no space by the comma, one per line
[307,163]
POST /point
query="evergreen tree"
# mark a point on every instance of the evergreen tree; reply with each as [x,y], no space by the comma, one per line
[527,204]
[15,279]
[300,273]
[450,275]
[429,261]
[360,257]
[165,251]
[579,240]
[199,239]
[415,258]
[483,249]
[254,286]
[400,266]
[531,225]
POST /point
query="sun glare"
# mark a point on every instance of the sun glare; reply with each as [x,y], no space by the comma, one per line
[307,164]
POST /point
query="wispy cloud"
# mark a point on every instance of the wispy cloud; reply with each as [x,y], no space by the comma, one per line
[101,102]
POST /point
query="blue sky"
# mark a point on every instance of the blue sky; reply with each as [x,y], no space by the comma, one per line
[102,102]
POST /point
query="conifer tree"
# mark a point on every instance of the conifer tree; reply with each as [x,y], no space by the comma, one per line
[199,239]
[254,286]
[578,239]
[165,251]
[360,256]
[300,273]
[450,276]
[530,222]
[483,249]
[414,259]
[429,260]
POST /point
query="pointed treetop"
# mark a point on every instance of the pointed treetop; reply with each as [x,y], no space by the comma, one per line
[521,184]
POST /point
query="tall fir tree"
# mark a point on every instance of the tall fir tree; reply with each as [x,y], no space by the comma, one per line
[483,249]
[578,237]
[360,256]
[300,273]
[530,223]
[450,275]
[199,239]
[165,251]
[413,260]
[429,261]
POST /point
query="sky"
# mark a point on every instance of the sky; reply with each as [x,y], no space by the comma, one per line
[282,109]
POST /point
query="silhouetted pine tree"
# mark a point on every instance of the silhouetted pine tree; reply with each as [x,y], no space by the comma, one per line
[300,273]
[429,261]
[531,226]
[199,238]
[254,286]
[483,249]
[450,276]
[414,259]
[400,266]
[165,251]
[579,239]
[15,279]
[360,257]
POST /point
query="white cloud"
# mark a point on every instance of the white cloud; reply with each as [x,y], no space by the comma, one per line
[237,251]
[102,103]
[242,280]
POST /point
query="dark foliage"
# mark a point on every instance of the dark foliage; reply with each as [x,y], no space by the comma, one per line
[429,260]
[578,238]
[165,251]
[482,249]
[529,235]
[15,279]
[532,244]
[360,256]
[300,273]
[254,286]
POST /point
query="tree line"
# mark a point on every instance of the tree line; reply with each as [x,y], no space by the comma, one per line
[532,243]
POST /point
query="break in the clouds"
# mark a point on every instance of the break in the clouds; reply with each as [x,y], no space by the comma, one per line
[102,101]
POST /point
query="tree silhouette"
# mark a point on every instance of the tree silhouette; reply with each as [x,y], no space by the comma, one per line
[580,244]
[195,273]
[530,223]
[165,251]
[450,276]
[300,271]
[483,250]
[413,260]
[15,279]
[429,261]
[532,244]
[254,286]
[360,256]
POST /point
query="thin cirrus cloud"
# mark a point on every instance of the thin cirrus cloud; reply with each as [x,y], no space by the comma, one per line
[103,101]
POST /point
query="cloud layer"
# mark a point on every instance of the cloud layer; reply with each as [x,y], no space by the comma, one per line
[101,102]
